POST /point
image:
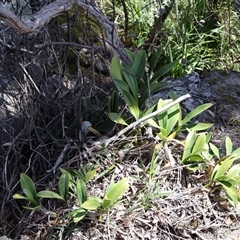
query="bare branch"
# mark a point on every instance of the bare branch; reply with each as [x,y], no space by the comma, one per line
[35,22]
[45,14]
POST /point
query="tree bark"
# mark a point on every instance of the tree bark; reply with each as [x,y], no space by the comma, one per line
[35,22]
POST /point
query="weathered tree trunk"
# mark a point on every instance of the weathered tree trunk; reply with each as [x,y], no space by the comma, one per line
[164,11]
[35,22]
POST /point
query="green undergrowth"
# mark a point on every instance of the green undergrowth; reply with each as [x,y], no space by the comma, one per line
[126,170]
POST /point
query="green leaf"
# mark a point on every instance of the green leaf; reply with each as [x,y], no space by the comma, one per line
[232,193]
[63,184]
[106,203]
[189,142]
[116,190]
[236,153]
[115,69]
[157,86]
[33,208]
[195,112]
[121,85]
[113,103]
[131,81]
[163,70]
[139,64]
[234,172]
[228,144]
[91,204]
[222,167]
[153,123]
[79,215]
[200,144]
[90,175]
[132,104]
[28,188]
[49,194]
[118,118]
[130,54]
[215,150]
[172,117]
[154,59]
[81,191]
[197,126]
[19,196]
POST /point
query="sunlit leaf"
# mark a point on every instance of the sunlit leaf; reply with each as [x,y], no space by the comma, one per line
[198,126]
[215,150]
[228,145]
[90,175]
[234,172]
[132,104]
[222,167]
[49,194]
[78,215]
[91,204]
[152,123]
[106,203]
[189,142]
[116,190]
[236,153]
[199,144]
[118,118]
[195,112]
[19,196]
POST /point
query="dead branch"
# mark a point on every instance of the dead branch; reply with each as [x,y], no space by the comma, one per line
[36,21]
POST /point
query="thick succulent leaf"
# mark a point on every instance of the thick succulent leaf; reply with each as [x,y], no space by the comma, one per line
[118,118]
[63,184]
[157,86]
[222,167]
[28,188]
[139,64]
[163,70]
[81,191]
[199,144]
[234,172]
[49,194]
[154,59]
[130,54]
[78,215]
[115,69]
[189,142]
[132,83]
[90,175]
[215,150]
[197,126]
[91,204]
[121,85]
[116,190]
[195,112]
[132,104]
[228,145]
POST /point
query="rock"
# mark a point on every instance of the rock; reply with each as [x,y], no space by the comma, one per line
[220,88]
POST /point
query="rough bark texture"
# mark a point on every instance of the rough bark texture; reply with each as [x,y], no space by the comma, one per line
[35,22]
